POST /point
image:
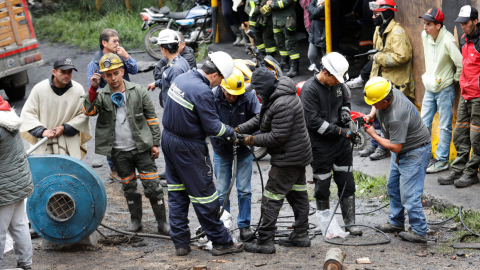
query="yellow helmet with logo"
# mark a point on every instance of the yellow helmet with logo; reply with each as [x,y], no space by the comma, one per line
[376,89]
[235,84]
[110,61]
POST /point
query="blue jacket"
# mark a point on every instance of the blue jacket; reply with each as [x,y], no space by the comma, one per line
[243,109]
[168,73]
[130,67]
[190,112]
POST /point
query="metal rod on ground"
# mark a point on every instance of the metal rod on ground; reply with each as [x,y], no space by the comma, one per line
[137,234]
[37,145]
[334,259]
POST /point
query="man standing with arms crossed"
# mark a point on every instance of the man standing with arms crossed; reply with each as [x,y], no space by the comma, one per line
[466,135]
[409,141]
[441,58]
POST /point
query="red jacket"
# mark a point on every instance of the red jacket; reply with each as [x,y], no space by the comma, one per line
[470,77]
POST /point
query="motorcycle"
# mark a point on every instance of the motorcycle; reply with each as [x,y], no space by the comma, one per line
[195,24]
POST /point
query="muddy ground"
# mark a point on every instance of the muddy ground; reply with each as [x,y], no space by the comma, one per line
[160,254]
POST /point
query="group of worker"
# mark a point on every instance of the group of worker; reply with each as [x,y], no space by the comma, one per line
[310,129]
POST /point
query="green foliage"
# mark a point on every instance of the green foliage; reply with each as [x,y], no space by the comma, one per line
[471,218]
[368,186]
[202,52]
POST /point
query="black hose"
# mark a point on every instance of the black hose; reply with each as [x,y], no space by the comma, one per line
[463,223]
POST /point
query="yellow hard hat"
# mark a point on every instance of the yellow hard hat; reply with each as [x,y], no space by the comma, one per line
[376,89]
[235,84]
[110,61]
[242,65]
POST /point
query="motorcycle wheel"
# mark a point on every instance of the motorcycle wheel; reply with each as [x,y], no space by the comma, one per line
[153,50]
[361,141]
[260,152]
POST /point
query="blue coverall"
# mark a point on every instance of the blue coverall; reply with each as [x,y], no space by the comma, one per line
[189,117]
[169,72]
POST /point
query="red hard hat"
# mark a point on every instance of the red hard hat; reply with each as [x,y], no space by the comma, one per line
[382,5]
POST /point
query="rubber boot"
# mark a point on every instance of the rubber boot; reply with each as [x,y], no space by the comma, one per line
[298,238]
[236,31]
[321,205]
[284,63]
[135,209]
[160,213]
[262,53]
[293,68]
[348,213]
[245,40]
[267,247]
[273,54]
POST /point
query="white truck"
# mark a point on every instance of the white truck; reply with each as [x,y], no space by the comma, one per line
[18,48]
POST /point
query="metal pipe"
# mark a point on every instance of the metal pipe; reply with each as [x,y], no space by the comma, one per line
[37,145]
[328,25]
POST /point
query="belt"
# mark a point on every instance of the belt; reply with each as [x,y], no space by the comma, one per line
[182,138]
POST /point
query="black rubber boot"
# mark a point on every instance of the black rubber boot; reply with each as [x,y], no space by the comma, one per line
[466,180]
[449,179]
[238,34]
[323,205]
[294,68]
[160,213]
[348,213]
[267,247]
[247,234]
[183,251]
[297,238]
[272,54]
[285,63]
[135,209]
[262,53]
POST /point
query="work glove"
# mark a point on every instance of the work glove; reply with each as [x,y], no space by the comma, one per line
[231,140]
[265,9]
[246,140]
[237,130]
[372,57]
[346,133]
[345,116]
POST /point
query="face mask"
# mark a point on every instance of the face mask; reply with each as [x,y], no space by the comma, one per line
[117,99]
[378,21]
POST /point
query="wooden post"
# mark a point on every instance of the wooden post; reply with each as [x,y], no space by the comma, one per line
[128,5]
[98,5]
[334,259]
[161,3]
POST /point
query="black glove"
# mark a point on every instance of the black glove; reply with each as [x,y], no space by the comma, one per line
[231,140]
[345,116]
[346,133]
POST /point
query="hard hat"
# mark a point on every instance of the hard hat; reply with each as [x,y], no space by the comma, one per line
[242,66]
[110,61]
[167,36]
[337,65]
[382,5]
[235,84]
[223,61]
[376,89]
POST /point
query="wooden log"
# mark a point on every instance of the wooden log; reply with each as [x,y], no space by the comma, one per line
[334,259]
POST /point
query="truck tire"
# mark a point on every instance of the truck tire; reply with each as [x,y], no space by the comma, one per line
[15,93]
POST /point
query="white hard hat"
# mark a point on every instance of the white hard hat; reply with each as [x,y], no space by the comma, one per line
[223,61]
[337,65]
[167,36]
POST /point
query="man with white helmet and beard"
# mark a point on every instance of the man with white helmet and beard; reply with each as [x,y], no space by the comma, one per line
[189,117]
[327,113]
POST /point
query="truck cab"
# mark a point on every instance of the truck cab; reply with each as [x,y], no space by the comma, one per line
[18,48]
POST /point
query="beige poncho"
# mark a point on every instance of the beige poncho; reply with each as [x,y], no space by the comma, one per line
[45,108]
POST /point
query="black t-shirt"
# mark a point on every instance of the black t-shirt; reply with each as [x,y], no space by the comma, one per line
[402,123]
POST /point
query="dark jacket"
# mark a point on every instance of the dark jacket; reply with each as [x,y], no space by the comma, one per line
[243,109]
[317,27]
[362,7]
[323,105]
[283,128]
[15,177]
[187,53]
[190,111]
[168,73]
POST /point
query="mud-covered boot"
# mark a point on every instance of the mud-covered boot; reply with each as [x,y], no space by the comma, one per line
[236,30]
[348,213]
[160,213]
[294,69]
[297,238]
[267,247]
[449,179]
[135,209]
[285,63]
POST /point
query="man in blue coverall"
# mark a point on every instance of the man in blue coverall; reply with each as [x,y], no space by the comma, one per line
[109,43]
[234,107]
[168,42]
[188,118]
